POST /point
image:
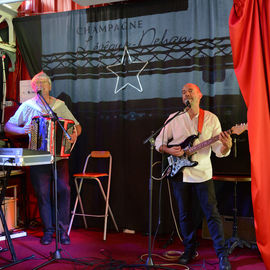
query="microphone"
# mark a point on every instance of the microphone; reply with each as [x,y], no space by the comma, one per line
[187,103]
[39,91]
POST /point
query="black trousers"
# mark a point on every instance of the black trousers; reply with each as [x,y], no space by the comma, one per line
[42,181]
[205,192]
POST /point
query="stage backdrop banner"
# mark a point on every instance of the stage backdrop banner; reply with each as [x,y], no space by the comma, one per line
[121,68]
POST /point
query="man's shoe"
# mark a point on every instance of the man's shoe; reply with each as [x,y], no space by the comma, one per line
[187,256]
[224,263]
[46,239]
[64,238]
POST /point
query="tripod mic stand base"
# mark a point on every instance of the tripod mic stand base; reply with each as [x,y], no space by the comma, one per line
[56,255]
[149,261]
[234,242]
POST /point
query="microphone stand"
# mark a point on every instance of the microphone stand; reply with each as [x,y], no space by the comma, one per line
[151,140]
[56,255]
[3,105]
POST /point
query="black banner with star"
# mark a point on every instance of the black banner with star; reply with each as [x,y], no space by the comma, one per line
[120,69]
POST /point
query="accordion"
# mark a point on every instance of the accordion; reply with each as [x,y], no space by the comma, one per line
[42,133]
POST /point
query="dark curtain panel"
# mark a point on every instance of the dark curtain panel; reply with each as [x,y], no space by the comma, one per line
[30,42]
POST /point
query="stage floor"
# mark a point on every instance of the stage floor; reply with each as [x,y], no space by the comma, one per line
[119,251]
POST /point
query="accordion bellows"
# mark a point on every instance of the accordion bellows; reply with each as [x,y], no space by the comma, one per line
[42,133]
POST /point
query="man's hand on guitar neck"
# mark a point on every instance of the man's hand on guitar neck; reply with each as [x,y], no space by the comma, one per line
[226,140]
[176,151]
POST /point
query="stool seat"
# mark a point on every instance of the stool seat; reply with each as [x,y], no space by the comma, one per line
[89,175]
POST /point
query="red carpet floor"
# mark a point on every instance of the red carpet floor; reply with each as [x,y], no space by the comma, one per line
[119,251]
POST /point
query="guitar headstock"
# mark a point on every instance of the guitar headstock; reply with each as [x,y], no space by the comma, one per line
[238,129]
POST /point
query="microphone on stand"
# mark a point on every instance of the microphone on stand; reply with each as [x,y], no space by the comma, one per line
[43,102]
[39,91]
[187,103]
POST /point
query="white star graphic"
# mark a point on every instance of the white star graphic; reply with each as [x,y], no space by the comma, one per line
[124,64]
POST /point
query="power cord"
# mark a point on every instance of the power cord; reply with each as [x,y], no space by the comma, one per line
[169,256]
[170,198]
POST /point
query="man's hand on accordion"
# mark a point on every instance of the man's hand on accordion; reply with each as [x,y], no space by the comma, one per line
[73,136]
[27,129]
[76,132]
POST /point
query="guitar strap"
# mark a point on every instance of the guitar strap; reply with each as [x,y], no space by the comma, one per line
[200,121]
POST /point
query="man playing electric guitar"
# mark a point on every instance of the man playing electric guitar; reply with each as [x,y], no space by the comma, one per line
[199,176]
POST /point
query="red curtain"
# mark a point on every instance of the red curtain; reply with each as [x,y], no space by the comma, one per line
[13,80]
[249,24]
[46,6]
[34,7]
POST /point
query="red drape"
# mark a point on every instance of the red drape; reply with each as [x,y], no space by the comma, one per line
[34,7]
[38,7]
[13,80]
[249,24]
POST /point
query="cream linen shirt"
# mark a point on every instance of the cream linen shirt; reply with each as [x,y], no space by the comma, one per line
[32,108]
[180,128]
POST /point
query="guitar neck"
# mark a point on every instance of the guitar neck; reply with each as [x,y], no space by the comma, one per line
[199,146]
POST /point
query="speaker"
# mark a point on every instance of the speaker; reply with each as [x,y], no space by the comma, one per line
[246,230]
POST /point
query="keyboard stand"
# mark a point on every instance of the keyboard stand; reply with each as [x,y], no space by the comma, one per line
[3,184]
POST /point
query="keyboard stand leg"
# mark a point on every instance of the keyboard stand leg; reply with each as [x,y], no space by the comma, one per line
[4,223]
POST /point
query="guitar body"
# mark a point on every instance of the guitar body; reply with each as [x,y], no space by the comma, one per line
[176,164]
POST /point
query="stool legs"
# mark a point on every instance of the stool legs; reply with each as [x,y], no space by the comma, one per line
[107,206]
[78,198]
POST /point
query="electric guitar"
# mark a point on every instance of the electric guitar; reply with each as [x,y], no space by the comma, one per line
[176,164]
